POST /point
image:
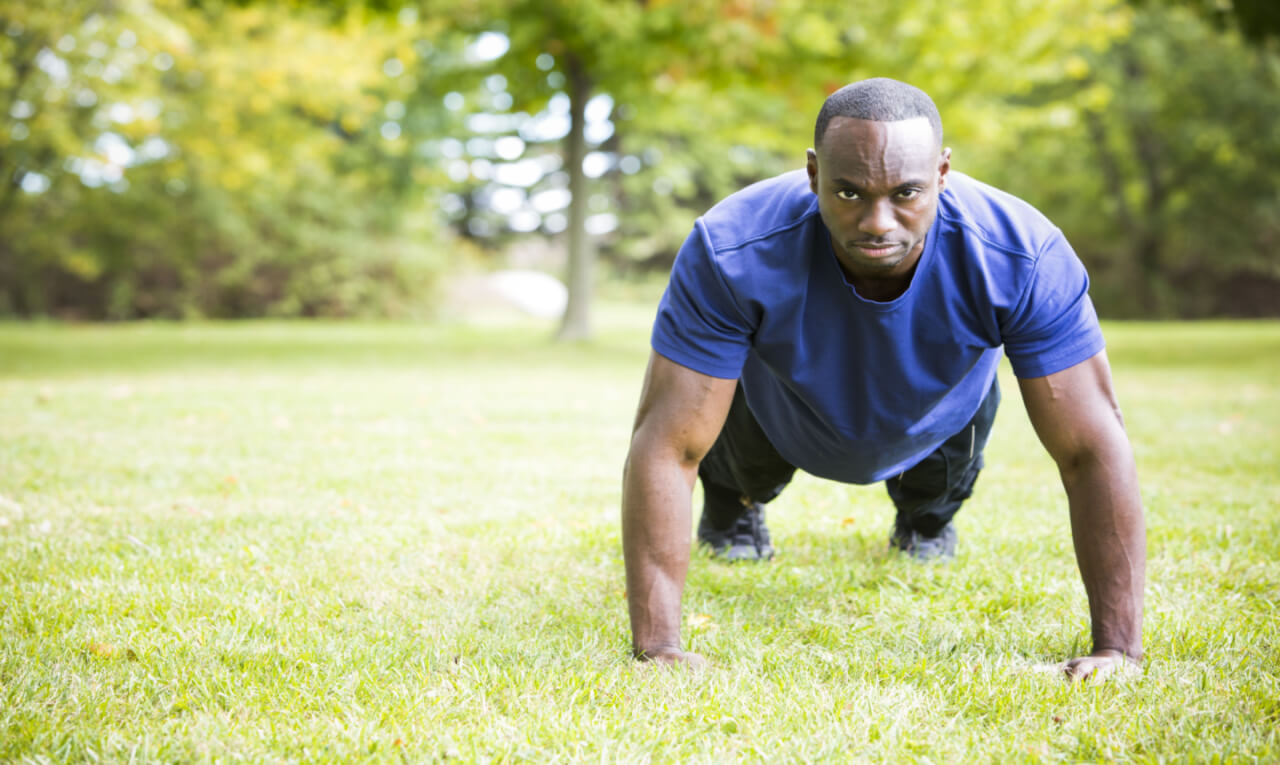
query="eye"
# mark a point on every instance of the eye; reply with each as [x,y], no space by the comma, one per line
[908,194]
[847,194]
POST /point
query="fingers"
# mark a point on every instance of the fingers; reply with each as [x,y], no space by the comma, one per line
[1092,668]
[684,659]
[1096,668]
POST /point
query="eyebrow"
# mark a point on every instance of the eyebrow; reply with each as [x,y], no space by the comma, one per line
[900,187]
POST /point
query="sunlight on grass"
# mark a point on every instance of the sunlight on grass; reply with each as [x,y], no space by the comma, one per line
[270,541]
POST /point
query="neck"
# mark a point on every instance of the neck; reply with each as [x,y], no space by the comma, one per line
[882,290]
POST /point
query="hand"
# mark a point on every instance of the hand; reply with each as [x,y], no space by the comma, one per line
[1098,666]
[674,658]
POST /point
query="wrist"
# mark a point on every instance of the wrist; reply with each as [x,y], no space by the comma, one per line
[1131,656]
[655,653]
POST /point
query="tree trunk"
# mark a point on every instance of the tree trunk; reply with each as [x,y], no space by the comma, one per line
[576,324]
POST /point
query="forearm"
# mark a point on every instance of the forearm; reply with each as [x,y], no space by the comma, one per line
[655,543]
[1110,542]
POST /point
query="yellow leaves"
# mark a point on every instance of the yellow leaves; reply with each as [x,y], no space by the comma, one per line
[1114,25]
[257,163]
[350,122]
[158,27]
[1098,97]
[260,102]
[268,83]
[100,650]
[745,8]
[269,80]
[817,34]
[958,23]
[702,623]
[1076,67]
[200,145]
[232,179]
[1226,154]
[404,51]
[82,264]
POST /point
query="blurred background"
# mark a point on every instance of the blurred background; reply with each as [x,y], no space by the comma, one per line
[187,159]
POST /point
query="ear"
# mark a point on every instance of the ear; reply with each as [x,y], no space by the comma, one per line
[944,167]
[811,164]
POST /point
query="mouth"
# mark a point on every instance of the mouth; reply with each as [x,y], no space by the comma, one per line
[875,249]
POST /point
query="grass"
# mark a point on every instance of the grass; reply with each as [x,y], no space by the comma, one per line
[319,542]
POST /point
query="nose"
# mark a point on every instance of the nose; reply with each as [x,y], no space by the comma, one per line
[877,218]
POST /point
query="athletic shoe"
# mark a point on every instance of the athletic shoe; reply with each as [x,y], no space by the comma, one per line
[746,538]
[923,549]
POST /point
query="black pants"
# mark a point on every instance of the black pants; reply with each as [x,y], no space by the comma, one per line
[743,463]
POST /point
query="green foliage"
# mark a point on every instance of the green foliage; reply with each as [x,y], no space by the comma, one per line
[1257,20]
[1156,158]
[713,95]
[240,158]
[283,542]
[160,161]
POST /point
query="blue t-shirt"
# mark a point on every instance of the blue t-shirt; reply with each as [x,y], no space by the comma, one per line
[857,390]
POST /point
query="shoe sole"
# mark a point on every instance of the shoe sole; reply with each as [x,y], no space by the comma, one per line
[736,553]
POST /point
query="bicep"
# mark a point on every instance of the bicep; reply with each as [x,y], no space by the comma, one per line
[680,409]
[1074,411]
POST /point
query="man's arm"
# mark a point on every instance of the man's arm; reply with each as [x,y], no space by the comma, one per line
[1076,416]
[680,415]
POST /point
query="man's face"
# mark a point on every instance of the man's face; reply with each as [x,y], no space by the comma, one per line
[877,185]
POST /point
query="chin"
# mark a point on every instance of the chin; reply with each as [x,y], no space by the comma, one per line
[885,263]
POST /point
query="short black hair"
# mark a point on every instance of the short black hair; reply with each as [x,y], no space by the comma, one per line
[880,99]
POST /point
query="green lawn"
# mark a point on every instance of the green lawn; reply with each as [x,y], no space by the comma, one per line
[390,542]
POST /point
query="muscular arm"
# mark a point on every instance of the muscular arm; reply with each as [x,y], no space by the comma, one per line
[1076,416]
[680,415]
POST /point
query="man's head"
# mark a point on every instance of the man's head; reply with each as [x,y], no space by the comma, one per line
[878,99]
[877,167]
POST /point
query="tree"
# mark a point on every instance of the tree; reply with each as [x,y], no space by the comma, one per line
[164,161]
[1257,20]
[753,73]
[1160,149]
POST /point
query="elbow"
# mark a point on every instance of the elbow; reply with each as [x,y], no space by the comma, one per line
[1105,456]
[1076,466]
[647,447]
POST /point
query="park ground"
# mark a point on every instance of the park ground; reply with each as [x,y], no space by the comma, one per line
[394,542]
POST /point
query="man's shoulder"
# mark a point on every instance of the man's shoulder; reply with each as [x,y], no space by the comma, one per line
[994,217]
[772,208]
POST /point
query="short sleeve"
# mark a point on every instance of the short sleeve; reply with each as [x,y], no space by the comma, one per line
[1054,325]
[699,323]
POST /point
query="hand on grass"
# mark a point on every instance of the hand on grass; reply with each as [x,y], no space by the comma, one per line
[673,659]
[1098,666]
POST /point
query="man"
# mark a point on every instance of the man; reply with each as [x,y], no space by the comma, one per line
[848,321]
